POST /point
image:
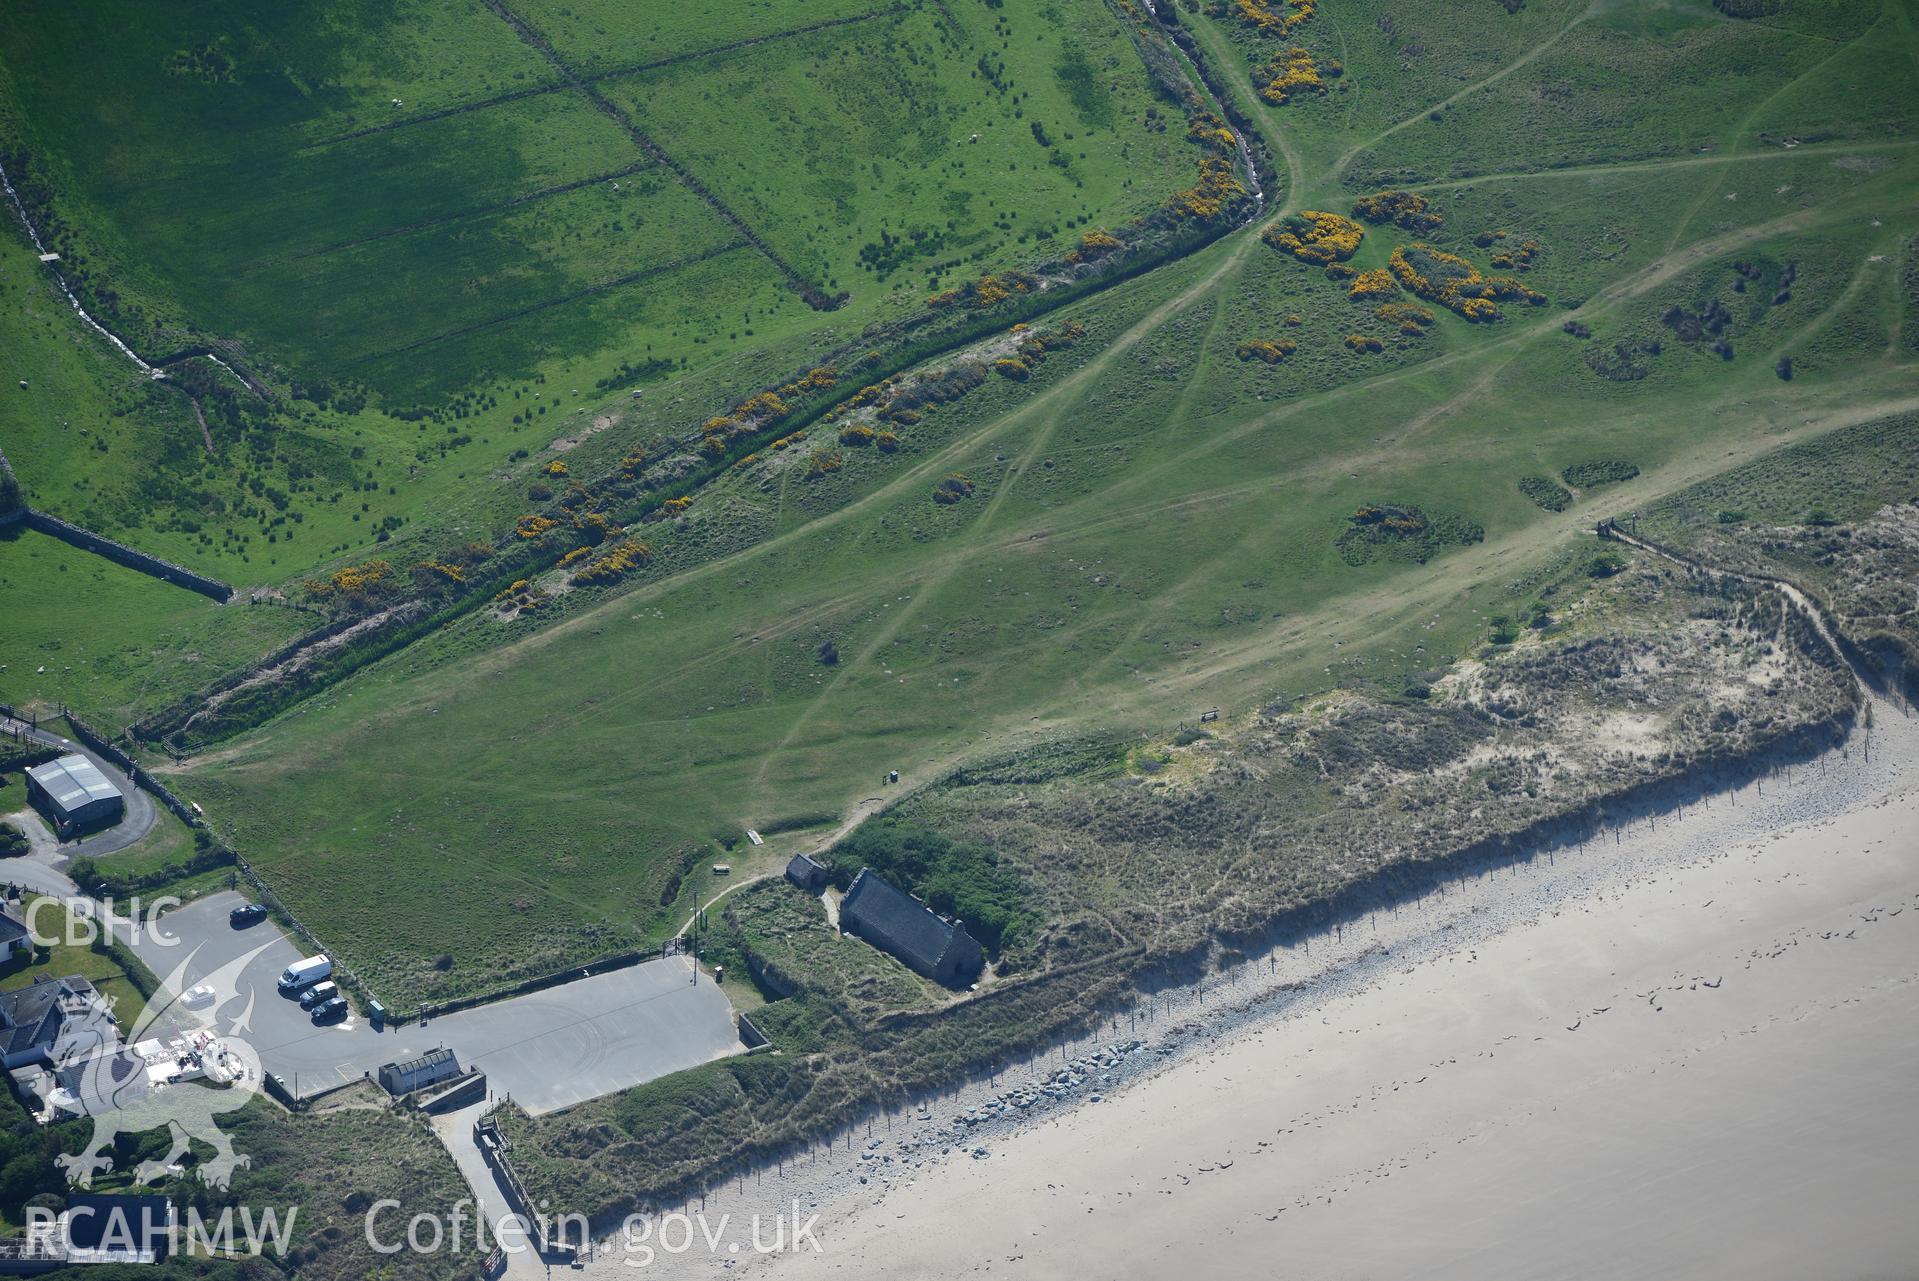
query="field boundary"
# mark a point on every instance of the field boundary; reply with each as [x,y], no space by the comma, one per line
[480,211]
[616,73]
[617,282]
[814,296]
[117,552]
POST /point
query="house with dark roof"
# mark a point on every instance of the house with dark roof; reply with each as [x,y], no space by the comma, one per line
[897,923]
[74,795]
[15,938]
[806,873]
[55,1022]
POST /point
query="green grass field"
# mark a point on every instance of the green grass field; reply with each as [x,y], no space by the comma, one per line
[439,254]
[1154,523]
[69,642]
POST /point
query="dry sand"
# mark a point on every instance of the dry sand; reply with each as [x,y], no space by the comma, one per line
[1693,1053]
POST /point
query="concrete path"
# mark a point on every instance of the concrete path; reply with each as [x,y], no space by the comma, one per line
[547,1050]
[42,869]
[455,1130]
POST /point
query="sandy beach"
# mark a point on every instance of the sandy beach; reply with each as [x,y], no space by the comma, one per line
[1687,1053]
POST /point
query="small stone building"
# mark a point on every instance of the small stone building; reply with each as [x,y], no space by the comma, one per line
[807,874]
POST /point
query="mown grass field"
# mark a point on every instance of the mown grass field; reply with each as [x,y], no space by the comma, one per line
[1154,522]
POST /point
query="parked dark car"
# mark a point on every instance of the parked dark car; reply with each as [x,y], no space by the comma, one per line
[331,1010]
[319,994]
[247,914]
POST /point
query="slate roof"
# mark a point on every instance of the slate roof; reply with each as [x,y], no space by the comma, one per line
[805,872]
[31,1015]
[118,1228]
[73,782]
[895,921]
[12,929]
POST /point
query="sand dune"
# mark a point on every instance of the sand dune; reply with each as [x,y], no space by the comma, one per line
[1689,1054]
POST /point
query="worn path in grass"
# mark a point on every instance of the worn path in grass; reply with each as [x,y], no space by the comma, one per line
[1161,474]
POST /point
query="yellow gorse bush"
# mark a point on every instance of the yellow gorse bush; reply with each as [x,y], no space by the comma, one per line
[1454,283]
[1207,199]
[353,578]
[615,564]
[1261,15]
[1270,350]
[1376,282]
[1289,72]
[1316,236]
[451,573]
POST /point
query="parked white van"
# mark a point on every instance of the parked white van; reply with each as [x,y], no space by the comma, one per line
[302,974]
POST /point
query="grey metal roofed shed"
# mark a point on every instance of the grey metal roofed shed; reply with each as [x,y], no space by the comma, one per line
[73,793]
[415,1074]
[896,922]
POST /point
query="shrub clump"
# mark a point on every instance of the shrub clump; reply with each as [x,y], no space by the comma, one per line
[1623,362]
[1316,237]
[1545,493]
[1406,209]
[1291,71]
[1364,343]
[1605,472]
[951,489]
[1270,350]
[1402,533]
[1454,283]
[1410,318]
[614,565]
[1372,284]
[954,878]
[1267,20]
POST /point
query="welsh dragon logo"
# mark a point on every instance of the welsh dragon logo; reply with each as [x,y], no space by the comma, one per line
[211,1040]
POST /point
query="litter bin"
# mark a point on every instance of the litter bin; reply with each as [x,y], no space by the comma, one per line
[376,1014]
